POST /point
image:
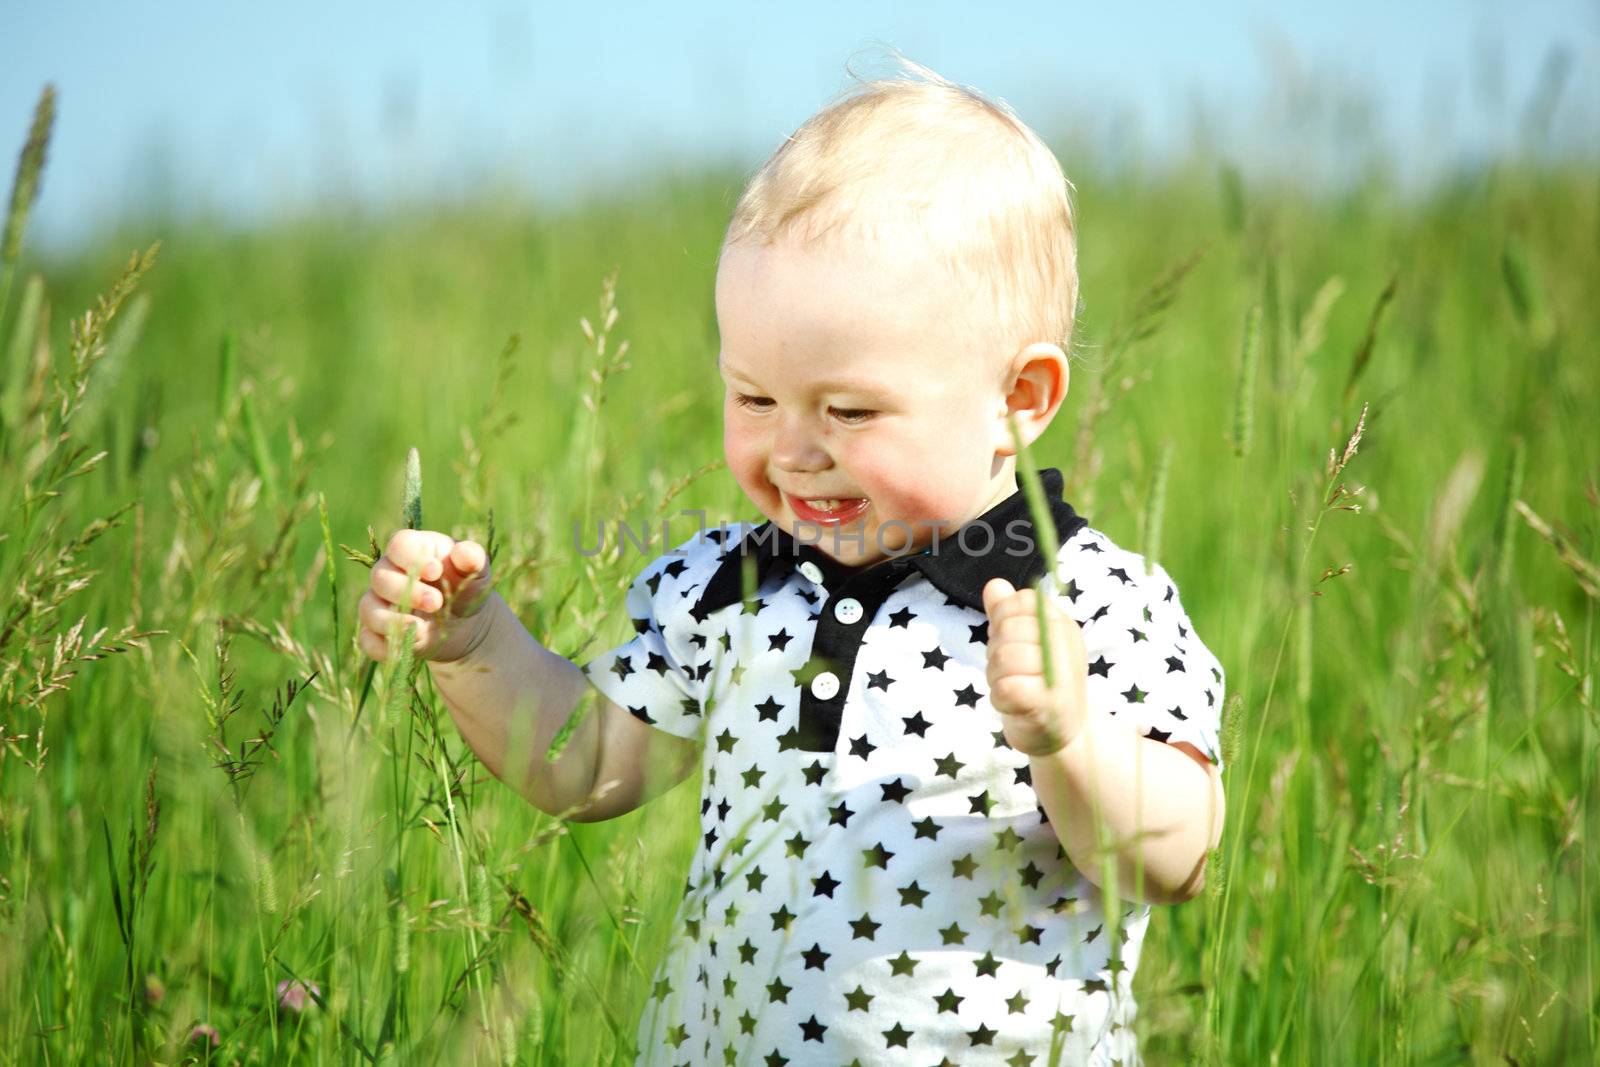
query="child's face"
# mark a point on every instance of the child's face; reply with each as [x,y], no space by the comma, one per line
[858,396]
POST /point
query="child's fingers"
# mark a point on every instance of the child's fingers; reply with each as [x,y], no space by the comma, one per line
[379,616]
[1014,657]
[1019,627]
[395,586]
[1000,605]
[420,549]
[469,558]
[372,646]
[995,592]
[465,570]
[1017,693]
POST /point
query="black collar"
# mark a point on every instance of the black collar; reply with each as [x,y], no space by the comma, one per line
[1000,543]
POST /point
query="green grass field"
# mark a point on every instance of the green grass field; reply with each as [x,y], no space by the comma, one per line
[200,801]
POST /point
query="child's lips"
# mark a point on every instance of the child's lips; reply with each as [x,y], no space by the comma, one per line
[827,511]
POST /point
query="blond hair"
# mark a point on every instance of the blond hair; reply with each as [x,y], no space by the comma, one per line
[921,154]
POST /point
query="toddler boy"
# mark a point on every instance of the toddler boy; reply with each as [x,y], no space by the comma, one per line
[901,822]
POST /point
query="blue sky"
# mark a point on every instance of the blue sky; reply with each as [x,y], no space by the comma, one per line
[251,111]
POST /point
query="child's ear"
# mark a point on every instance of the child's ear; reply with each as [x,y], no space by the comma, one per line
[1037,381]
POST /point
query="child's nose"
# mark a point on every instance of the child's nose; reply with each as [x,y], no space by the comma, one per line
[796,448]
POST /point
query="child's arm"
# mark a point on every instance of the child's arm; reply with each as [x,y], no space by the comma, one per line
[509,695]
[510,683]
[1160,808]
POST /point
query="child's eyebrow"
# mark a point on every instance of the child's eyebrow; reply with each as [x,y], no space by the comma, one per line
[830,385]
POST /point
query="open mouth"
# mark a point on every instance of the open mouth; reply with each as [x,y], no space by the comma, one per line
[827,511]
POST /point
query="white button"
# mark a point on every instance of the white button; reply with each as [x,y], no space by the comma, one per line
[825,685]
[811,571]
[847,610]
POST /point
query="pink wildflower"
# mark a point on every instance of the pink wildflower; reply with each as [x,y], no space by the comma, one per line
[203,1034]
[293,994]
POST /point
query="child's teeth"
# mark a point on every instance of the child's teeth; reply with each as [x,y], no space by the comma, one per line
[826,505]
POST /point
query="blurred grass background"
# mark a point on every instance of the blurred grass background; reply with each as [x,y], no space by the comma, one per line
[1406,875]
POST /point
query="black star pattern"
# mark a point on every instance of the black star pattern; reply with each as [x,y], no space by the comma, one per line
[1031,875]
[912,896]
[707,665]
[859,999]
[864,927]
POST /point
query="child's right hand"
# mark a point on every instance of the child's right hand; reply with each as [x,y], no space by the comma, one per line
[451,587]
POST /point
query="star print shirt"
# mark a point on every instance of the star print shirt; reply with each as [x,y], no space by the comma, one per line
[877,882]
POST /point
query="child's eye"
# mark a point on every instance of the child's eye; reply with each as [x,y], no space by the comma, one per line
[853,415]
[759,403]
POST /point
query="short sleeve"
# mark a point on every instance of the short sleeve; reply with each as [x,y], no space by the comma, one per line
[654,676]
[1146,663]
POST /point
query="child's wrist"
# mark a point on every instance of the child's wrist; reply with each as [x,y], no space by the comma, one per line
[472,631]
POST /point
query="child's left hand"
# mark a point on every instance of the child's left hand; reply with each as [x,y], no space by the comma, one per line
[1037,720]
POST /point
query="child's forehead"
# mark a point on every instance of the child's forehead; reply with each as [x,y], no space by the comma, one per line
[874,286]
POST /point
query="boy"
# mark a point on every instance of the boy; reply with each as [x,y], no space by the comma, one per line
[901,822]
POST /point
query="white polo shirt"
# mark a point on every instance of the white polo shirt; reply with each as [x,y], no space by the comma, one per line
[877,882]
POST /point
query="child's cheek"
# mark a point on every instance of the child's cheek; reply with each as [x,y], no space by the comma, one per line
[747,463]
[913,483]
